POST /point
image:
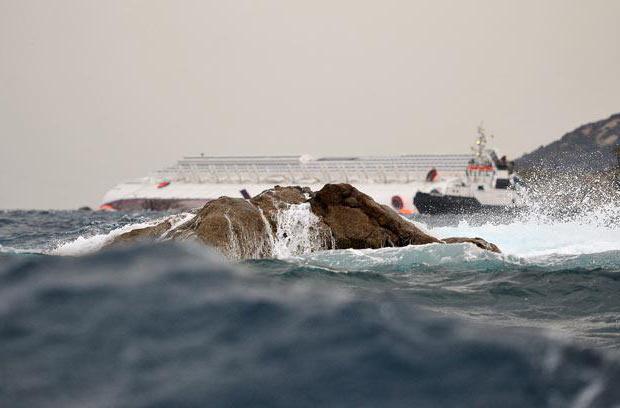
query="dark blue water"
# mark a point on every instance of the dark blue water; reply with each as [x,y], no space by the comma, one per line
[176,325]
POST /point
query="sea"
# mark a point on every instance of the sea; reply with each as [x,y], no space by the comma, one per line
[177,325]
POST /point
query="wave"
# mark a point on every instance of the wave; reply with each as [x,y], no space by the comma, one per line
[559,245]
[457,258]
[83,245]
[11,250]
[531,238]
[565,215]
[574,294]
[297,234]
[174,325]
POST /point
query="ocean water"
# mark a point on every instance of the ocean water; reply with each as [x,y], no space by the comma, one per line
[427,326]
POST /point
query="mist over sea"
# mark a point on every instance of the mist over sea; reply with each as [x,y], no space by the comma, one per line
[175,324]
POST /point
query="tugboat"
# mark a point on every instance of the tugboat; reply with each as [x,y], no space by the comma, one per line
[490,183]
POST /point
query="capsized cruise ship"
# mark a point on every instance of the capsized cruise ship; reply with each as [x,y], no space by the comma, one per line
[390,180]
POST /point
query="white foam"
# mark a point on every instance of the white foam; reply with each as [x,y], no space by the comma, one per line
[11,250]
[297,232]
[532,238]
[587,240]
[404,258]
[86,245]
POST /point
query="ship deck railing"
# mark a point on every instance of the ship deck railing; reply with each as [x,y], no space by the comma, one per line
[302,170]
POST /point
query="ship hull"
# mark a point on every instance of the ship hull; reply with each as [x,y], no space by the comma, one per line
[153,204]
[148,196]
[433,204]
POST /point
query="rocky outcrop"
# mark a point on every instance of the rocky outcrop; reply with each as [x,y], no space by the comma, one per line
[234,226]
[357,221]
[249,229]
[295,220]
[479,242]
[147,233]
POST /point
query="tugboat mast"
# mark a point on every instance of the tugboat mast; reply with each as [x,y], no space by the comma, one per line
[479,149]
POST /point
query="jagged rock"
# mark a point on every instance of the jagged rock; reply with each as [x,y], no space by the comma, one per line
[357,221]
[338,216]
[234,226]
[479,242]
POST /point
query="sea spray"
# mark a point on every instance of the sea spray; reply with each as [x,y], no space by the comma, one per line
[566,215]
[299,232]
[569,197]
[531,238]
[83,245]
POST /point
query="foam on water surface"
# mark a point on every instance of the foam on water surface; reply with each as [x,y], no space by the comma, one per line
[521,240]
[533,238]
[541,235]
[298,233]
[83,245]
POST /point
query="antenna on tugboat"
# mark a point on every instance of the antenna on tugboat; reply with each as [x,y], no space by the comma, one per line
[481,152]
[481,142]
[482,135]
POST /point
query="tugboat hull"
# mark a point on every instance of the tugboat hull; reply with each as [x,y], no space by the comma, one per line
[447,204]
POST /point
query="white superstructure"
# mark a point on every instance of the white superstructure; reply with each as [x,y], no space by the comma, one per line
[489,183]
[391,180]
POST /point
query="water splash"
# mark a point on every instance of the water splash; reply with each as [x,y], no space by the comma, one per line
[566,215]
[534,238]
[83,245]
[299,232]
[569,215]
[587,199]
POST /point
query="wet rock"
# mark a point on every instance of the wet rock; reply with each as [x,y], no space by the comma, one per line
[147,233]
[338,216]
[479,242]
[233,226]
[278,199]
[357,221]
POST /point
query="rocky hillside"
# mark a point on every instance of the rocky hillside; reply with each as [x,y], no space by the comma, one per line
[590,147]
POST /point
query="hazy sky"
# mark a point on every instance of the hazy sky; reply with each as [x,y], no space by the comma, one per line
[94,92]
